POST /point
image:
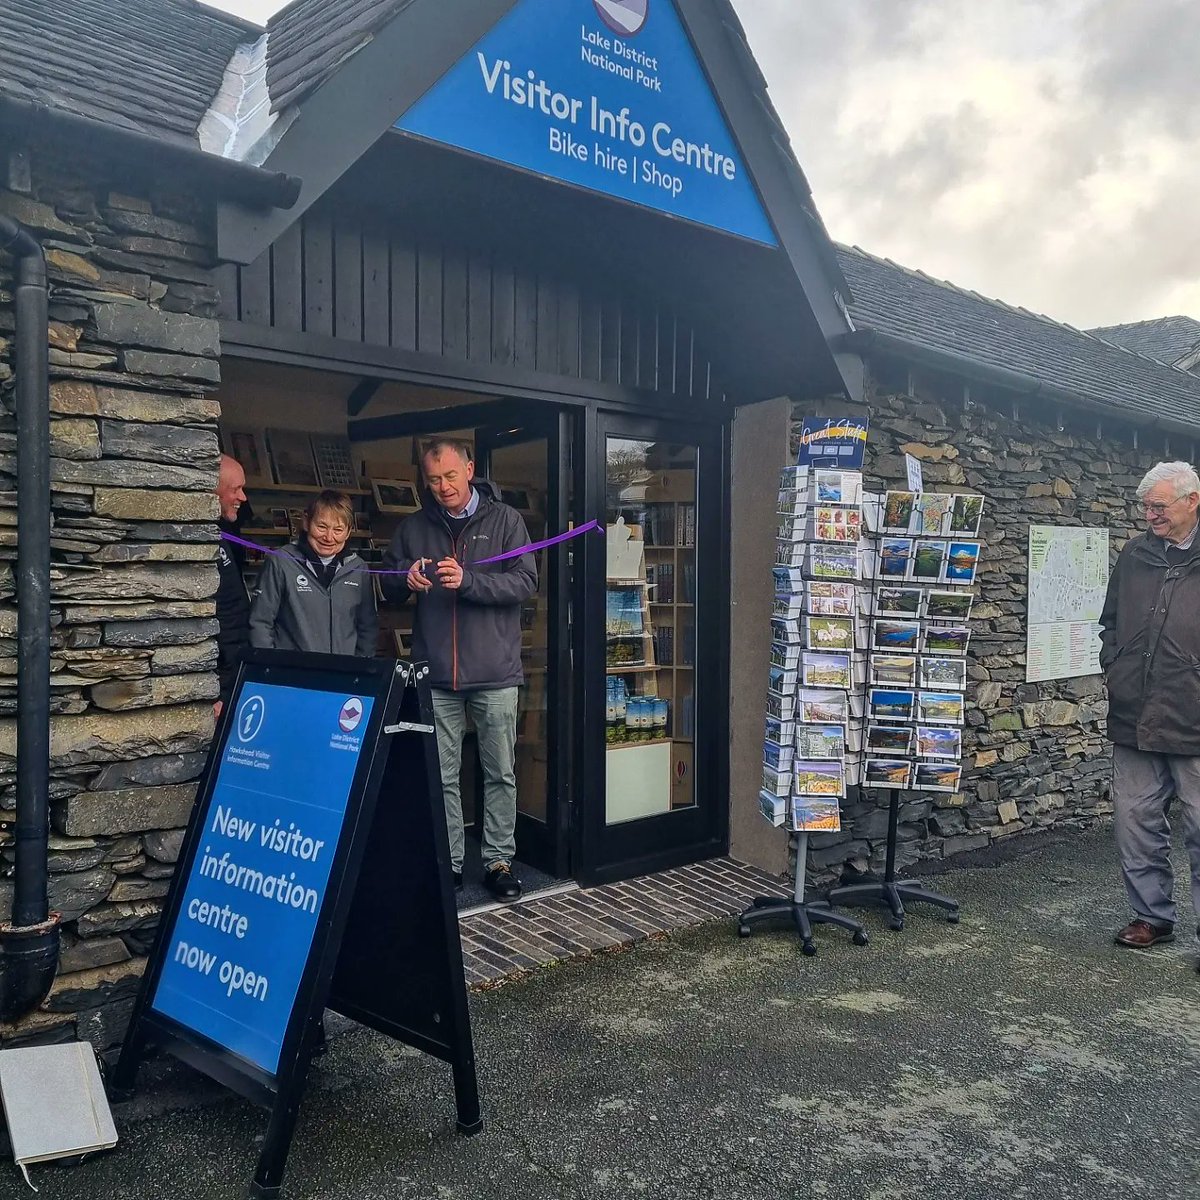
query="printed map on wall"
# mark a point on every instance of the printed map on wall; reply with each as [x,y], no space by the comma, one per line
[1068,574]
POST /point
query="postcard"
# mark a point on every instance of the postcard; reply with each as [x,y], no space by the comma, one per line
[895,635]
[962,562]
[814,778]
[781,708]
[782,732]
[826,598]
[787,629]
[937,777]
[947,639]
[886,704]
[894,670]
[814,814]
[927,561]
[949,606]
[939,741]
[898,602]
[837,487]
[791,527]
[965,516]
[775,782]
[826,670]
[930,513]
[895,556]
[837,524]
[790,554]
[872,511]
[777,756]
[889,739]
[822,708]
[945,674]
[940,708]
[793,479]
[898,511]
[786,655]
[788,606]
[774,808]
[789,581]
[830,562]
[820,741]
[886,773]
[829,633]
[782,682]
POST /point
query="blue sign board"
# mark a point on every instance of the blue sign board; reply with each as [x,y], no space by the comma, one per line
[833,442]
[604,94]
[257,882]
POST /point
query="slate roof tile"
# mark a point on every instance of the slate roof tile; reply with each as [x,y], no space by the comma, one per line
[1166,338]
[930,312]
[147,65]
[310,39]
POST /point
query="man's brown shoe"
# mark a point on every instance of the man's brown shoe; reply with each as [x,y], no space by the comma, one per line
[1140,934]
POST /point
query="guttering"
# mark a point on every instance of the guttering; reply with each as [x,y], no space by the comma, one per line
[29,942]
[239,181]
[863,341]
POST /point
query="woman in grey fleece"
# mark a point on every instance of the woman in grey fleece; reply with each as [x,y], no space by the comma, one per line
[315,595]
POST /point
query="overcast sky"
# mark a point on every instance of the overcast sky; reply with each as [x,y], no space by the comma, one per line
[1046,152]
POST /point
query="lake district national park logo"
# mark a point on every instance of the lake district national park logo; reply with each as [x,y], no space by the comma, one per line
[624,17]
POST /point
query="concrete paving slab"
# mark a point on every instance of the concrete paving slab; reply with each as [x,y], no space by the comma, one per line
[1018,1054]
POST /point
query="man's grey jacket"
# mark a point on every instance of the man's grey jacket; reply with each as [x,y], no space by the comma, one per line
[1150,634]
[471,635]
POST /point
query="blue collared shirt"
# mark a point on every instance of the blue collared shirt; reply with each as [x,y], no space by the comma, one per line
[469,511]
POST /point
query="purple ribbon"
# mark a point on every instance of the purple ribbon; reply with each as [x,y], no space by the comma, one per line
[530,549]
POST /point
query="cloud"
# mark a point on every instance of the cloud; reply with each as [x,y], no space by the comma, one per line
[1042,152]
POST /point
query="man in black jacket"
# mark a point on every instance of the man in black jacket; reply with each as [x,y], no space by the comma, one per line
[233,604]
[468,628]
[1150,630]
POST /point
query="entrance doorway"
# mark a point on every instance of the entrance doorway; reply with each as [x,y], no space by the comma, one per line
[527,454]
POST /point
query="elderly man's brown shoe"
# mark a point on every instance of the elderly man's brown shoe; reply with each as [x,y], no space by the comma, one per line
[1140,934]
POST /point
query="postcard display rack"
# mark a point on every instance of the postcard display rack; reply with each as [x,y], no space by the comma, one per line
[920,557]
[815,698]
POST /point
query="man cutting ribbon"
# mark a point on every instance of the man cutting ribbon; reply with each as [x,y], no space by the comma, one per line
[455,558]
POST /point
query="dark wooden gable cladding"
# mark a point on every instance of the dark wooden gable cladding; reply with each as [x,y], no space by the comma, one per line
[338,277]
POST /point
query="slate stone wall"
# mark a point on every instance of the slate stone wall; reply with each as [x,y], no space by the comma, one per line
[134,348]
[1035,755]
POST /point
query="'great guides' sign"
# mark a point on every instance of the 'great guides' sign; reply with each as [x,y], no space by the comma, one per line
[604,94]
[245,925]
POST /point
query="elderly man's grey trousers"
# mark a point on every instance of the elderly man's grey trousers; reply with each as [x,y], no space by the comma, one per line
[1144,788]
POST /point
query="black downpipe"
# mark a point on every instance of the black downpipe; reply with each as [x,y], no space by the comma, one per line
[29,943]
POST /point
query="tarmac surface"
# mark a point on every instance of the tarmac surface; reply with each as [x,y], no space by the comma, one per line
[1018,1054]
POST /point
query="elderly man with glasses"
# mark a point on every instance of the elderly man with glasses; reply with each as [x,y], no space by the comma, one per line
[1150,631]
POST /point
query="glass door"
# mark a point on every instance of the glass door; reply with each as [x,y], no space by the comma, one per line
[657,642]
[530,462]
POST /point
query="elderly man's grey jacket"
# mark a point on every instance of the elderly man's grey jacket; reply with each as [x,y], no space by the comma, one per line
[1150,632]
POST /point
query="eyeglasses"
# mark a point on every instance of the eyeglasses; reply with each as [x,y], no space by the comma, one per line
[1157,510]
[335,531]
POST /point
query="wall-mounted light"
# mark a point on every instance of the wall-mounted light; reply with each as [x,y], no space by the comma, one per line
[1135,439]
[1058,421]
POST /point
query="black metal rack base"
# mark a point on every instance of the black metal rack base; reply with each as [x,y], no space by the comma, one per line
[890,892]
[802,912]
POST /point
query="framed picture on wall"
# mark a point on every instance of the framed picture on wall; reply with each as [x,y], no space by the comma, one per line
[292,458]
[335,461]
[395,495]
[249,447]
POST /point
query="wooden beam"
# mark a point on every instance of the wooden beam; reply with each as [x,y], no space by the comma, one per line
[363,394]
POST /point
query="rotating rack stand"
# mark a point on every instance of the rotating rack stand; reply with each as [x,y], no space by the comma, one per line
[890,892]
[804,913]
